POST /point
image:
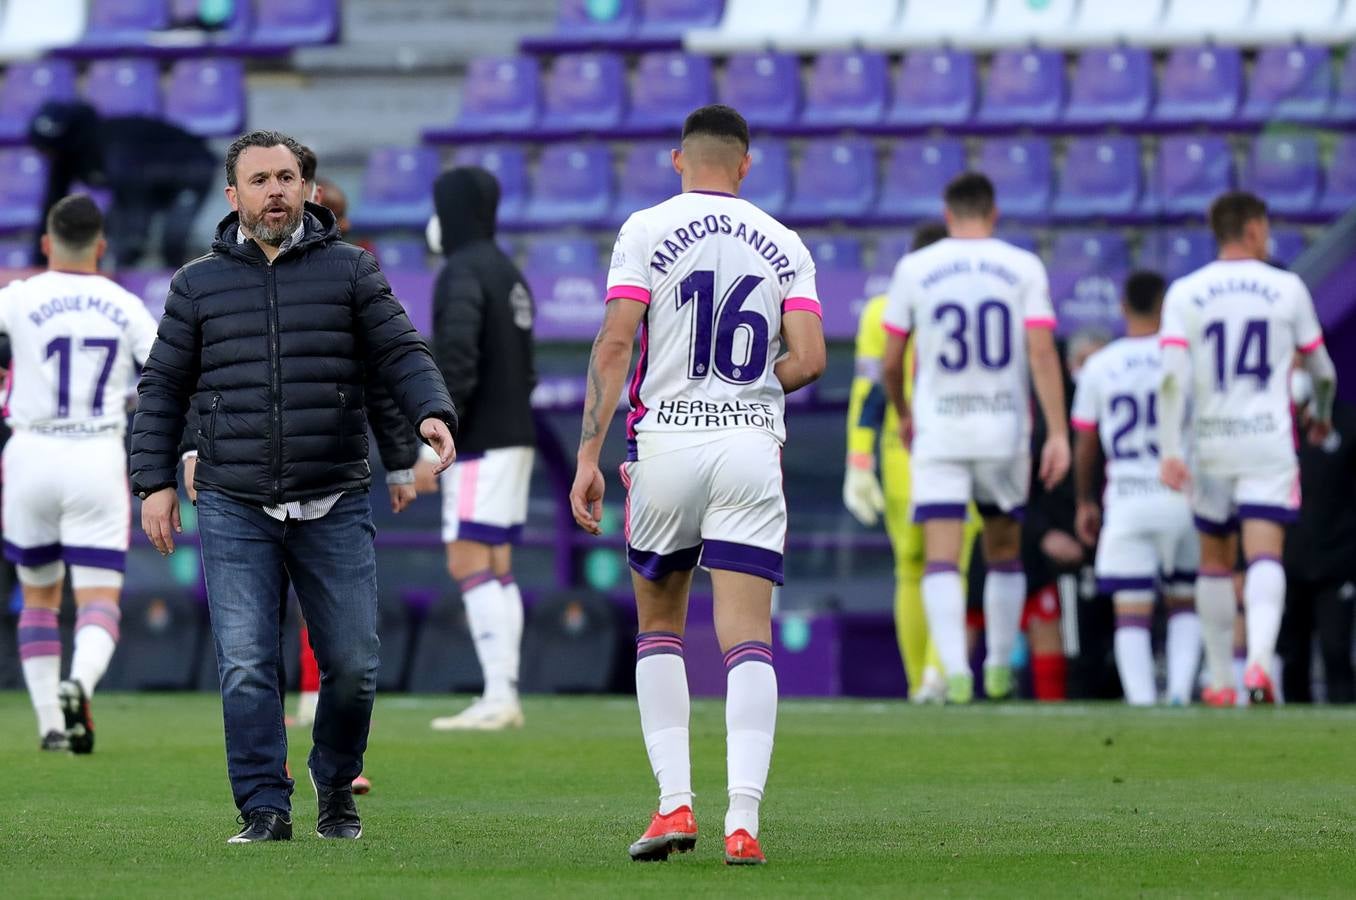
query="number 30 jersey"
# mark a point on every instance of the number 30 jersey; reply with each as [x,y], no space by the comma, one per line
[1241,321]
[967,303]
[76,340]
[717,273]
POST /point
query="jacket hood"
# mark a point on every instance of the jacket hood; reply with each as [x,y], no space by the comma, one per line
[467,202]
[318,226]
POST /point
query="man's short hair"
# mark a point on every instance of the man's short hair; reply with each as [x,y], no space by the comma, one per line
[1231,213]
[970,195]
[718,121]
[75,222]
[927,234]
[1144,292]
[309,163]
[259,139]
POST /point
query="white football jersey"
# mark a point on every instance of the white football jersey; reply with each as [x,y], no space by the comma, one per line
[967,303]
[717,273]
[77,342]
[1241,321]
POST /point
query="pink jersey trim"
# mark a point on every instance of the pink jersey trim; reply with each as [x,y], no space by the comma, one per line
[1041,322]
[1172,342]
[628,292]
[803,304]
[1312,345]
[1083,424]
[895,330]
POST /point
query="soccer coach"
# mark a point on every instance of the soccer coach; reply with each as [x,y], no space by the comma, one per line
[271,336]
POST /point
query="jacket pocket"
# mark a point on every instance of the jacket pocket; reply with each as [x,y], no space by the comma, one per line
[212,428]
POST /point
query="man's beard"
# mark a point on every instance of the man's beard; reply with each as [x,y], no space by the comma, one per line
[273,235]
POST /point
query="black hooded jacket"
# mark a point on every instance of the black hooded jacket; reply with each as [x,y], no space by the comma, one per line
[482,318]
[275,359]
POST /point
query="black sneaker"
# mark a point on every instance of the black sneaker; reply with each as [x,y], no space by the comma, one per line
[56,742]
[263,825]
[79,722]
[338,813]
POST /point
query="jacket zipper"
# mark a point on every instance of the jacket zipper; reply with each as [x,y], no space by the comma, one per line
[212,429]
[275,382]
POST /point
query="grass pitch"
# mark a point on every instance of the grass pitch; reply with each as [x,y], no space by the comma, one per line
[866,799]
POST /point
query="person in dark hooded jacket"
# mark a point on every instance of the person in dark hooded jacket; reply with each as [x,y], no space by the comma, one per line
[482,326]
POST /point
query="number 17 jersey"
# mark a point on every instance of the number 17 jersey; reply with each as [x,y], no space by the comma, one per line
[716,273]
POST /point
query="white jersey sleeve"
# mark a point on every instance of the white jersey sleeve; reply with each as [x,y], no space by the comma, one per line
[1036,305]
[1087,401]
[1308,333]
[628,278]
[802,293]
[141,330]
[898,316]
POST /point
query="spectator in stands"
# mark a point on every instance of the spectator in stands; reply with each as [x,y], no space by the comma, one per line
[155,170]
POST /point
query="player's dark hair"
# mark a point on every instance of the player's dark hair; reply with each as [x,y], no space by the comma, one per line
[927,234]
[719,121]
[1144,292]
[259,139]
[309,163]
[75,221]
[970,195]
[1231,213]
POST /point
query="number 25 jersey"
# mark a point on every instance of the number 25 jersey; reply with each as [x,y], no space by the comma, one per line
[716,273]
[1241,321]
[968,302]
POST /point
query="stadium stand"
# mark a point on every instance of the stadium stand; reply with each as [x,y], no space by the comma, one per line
[124,87]
[26,86]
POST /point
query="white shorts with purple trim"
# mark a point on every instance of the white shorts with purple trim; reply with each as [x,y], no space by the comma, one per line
[943,488]
[1220,502]
[485,496]
[717,504]
[1147,544]
[66,499]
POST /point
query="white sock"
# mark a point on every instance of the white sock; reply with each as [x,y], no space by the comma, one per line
[1004,599]
[40,651]
[1135,659]
[1184,652]
[513,626]
[661,694]
[484,599]
[1217,607]
[750,723]
[1240,668]
[944,601]
[96,637]
[1264,604]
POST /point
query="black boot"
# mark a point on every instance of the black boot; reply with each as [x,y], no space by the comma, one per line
[264,825]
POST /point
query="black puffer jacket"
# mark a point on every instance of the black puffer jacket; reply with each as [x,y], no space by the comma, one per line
[482,318]
[275,358]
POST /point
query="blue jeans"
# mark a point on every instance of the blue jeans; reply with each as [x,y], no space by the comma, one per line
[332,563]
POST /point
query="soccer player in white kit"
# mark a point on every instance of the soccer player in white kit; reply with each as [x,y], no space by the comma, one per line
[1148,541]
[78,340]
[1231,331]
[979,311]
[724,297]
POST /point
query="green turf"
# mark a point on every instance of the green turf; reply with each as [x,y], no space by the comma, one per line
[866,799]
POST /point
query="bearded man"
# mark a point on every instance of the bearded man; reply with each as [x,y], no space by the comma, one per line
[272,336]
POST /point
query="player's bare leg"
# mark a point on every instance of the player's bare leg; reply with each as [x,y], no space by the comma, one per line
[743,613]
[1004,599]
[1183,643]
[1263,604]
[662,696]
[40,649]
[944,599]
[1133,648]
[1217,604]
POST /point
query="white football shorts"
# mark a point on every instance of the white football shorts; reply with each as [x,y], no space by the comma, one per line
[485,496]
[943,488]
[1147,544]
[1221,501]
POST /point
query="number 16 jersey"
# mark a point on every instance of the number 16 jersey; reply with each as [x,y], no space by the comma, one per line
[967,303]
[717,273]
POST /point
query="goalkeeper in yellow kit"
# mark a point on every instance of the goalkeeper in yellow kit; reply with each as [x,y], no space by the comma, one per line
[872,423]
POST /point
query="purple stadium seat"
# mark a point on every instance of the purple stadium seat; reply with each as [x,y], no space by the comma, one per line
[501,96]
[836,179]
[16,253]
[585,92]
[124,87]
[890,249]
[1342,113]
[836,253]
[284,24]
[587,23]
[508,163]
[1023,87]
[647,178]
[669,19]
[847,88]
[764,87]
[666,87]
[572,186]
[1291,84]
[933,88]
[1283,170]
[23,179]
[26,87]
[1101,176]
[1087,269]
[914,176]
[1286,245]
[562,254]
[1174,253]
[1092,249]
[397,189]
[1020,237]
[401,254]
[1339,188]
[207,96]
[1022,175]
[1200,84]
[124,24]
[768,185]
[1190,172]
[1111,86]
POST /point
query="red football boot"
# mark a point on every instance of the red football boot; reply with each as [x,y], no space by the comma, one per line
[1258,685]
[672,833]
[741,849]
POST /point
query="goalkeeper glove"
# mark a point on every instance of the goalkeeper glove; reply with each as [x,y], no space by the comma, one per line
[862,494]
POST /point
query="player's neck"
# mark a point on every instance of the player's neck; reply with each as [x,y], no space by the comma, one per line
[1236,253]
[709,183]
[1138,328]
[970,231]
[73,266]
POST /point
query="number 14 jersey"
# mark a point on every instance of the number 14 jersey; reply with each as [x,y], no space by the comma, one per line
[716,273]
[967,303]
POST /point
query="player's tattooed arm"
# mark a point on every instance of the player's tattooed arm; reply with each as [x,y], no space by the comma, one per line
[804,361]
